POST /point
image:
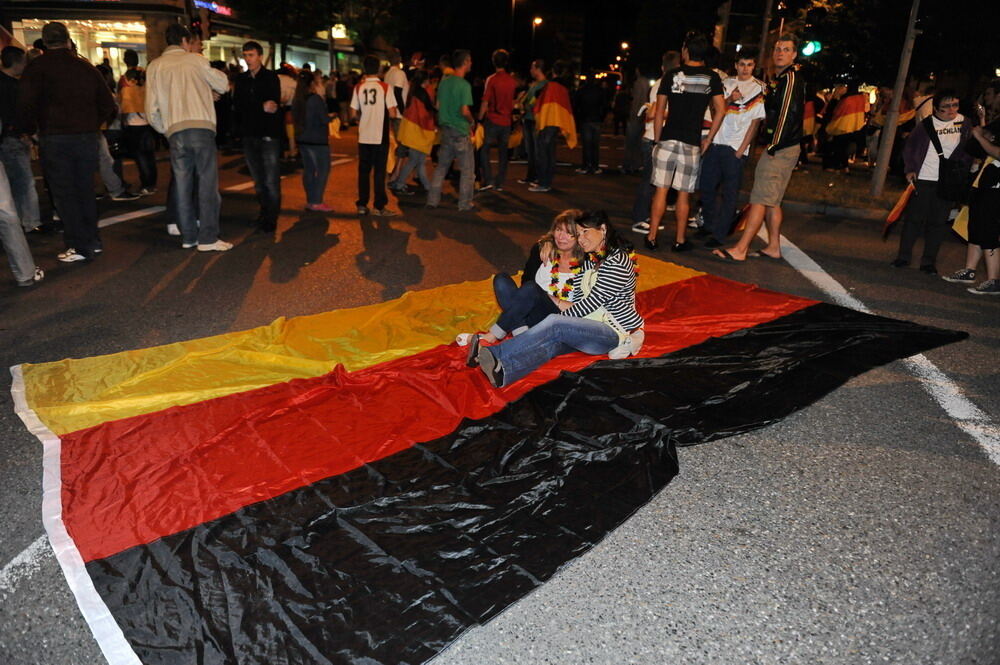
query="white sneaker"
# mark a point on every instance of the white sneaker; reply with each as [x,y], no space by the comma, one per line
[37,277]
[188,245]
[631,346]
[71,255]
[643,226]
[173,230]
[217,246]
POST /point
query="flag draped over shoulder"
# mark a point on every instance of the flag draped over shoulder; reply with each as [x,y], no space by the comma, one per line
[848,115]
[342,484]
[553,109]
[417,127]
[809,118]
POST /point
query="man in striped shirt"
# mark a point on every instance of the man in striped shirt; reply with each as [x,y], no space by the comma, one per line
[784,106]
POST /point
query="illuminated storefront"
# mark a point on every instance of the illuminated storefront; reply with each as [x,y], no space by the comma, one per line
[104,29]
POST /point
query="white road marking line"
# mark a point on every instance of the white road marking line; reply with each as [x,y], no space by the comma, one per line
[967,416]
[124,217]
[24,564]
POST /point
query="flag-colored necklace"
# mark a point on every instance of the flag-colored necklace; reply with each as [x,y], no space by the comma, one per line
[567,287]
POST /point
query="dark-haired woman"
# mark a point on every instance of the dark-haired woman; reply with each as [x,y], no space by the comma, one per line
[312,134]
[602,319]
[547,279]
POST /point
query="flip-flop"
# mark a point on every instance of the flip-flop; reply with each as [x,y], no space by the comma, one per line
[761,255]
[724,255]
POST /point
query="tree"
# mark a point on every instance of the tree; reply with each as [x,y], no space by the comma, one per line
[283,20]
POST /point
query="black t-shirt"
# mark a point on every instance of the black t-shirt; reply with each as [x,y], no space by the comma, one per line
[688,90]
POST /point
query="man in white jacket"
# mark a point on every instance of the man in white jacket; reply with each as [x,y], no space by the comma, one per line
[179,103]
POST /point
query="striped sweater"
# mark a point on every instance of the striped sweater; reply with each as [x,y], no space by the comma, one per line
[614,289]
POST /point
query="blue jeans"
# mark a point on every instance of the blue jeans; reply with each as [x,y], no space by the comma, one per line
[590,137]
[12,235]
[721,169]
[455,147]
[633,144]
[262,154]
[644,190]
[15,156]
[110,169]
[499,135]
[315,171]
[545,147]
[414,162]
[554,336]
[193,159]
[530,140]
[139,142]
[69,162]
[522,306]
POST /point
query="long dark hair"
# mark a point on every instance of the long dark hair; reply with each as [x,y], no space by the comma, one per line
[303,88]
[613,242]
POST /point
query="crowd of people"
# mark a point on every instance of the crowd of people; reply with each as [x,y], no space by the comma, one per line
[689,129]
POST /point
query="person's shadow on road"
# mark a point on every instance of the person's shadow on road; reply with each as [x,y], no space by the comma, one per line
[386,259]
[303,243]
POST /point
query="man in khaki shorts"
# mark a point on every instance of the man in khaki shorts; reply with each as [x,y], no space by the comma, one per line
[784,105]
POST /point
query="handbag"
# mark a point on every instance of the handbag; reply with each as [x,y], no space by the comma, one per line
[954,178]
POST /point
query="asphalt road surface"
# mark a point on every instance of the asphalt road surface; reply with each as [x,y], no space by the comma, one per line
[863,529]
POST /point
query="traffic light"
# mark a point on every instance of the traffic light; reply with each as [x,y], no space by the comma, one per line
[811,47]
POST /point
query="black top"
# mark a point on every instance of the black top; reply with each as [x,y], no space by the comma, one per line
[249,96]
[61,93]
[688,90]
[8,104]
[591,104]
[532,265]
[315,129]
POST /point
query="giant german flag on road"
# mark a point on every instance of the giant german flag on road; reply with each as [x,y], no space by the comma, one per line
[553,109]
[341,488]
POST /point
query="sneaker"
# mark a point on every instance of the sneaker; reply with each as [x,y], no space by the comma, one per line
[680,246]
[581,171]
[147,191]
[491,367]
[498,188]
[963,276]
[71,255]
[217,246]
[631,346]
[485,188]
[928,269]
[597,171]
[671,207]
[384,212]
[990,287]
[37,277]
[525,181]
[173,230]
[469,208]
[124,196]
[188,245]
[643,226]
[363,210]
[403,191]
[539,188]
[319,207]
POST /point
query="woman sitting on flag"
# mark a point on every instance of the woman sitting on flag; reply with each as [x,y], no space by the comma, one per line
[601,319]
[553,264]
[417,131]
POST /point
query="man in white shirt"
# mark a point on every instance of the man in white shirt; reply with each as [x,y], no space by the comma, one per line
[180,104]
[373,105]
[722,166]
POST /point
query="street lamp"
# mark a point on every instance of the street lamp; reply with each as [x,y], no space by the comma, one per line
[535,22]
[624,46]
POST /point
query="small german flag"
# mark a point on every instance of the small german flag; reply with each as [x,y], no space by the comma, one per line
[417,128]
[342,488]
[553,109]
[848,115]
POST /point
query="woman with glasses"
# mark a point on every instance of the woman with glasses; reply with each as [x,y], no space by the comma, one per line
[602,319]
[927,213]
